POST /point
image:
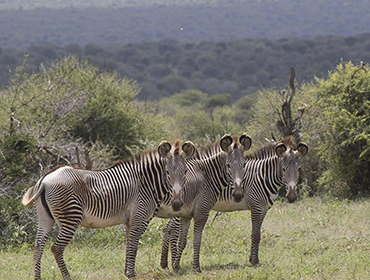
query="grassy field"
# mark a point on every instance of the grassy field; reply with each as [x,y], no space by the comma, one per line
[311,239]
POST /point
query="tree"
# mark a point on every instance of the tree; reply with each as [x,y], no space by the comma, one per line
[344,146]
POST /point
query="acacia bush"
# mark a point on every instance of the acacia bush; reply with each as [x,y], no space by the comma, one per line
[70,113]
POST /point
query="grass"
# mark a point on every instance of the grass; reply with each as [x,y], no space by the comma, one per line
[310,239]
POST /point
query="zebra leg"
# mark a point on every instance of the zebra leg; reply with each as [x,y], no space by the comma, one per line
[170,238]
[165,243]
[44,225]
[184,227]
[198,230]
[174,237]
[67,228]
[257,218]
[133,231]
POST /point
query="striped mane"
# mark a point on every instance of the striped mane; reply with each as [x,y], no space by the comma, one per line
[207,150]
[176,147]
[269,149]
[136,158]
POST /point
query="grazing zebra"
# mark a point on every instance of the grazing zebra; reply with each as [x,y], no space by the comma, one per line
[214,168]
[128,192]
[265,173]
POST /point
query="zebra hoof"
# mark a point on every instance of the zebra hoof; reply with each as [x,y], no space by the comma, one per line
[164,265]
[130,275]
[197,269]
[254,261]
[176,269]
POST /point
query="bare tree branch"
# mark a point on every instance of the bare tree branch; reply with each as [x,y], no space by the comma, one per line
[88,160]
[285,124]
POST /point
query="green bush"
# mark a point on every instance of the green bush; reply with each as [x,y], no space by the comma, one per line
[344,101]
[70,113]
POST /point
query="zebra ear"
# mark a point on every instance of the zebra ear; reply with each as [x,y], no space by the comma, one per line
[245,141]
[280,149]
[226,142]
[188,149]
[302,149]
[164,149]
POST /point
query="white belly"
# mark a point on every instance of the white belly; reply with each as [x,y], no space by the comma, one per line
[95,222]
[229,206]
[165,211]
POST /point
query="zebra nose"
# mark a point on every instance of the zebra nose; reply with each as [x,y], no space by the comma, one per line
[176,205]
[292,197]
[238,196]
[292,193]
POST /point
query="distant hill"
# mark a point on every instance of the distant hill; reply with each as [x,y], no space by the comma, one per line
[237,67]
[113,23]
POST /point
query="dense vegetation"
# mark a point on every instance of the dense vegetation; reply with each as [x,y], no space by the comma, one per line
[121,22]
[236,67]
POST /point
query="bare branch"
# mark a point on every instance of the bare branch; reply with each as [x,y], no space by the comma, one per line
[359,69]
[285,124]
[77,152]
[291,82]
[88,160]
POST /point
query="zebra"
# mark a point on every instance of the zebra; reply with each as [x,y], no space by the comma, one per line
[212,169]
[129,192]
[265,173]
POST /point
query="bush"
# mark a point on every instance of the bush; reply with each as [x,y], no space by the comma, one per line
[67,113]
[344,102]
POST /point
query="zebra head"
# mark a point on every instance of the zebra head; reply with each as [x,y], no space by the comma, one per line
[176,168]
[235,162]
[290,166]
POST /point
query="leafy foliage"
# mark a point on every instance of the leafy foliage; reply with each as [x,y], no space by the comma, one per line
[67,113]
[199,117]
[344,100]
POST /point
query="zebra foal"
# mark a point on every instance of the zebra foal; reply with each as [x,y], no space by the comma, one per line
[129,192]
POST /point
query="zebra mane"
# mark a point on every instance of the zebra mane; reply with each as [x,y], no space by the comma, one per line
[213,148]
[152,153]
[207,150]
[269,149]
[176,147]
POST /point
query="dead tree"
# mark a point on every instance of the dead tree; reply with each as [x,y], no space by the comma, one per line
[286,125]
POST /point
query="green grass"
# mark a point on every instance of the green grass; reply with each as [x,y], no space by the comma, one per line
[310,239]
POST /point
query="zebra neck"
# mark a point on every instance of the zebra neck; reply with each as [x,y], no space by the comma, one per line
[265,174]
[148,168]
[214,171]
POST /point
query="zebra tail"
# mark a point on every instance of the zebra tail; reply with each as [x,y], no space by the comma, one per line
[28,198]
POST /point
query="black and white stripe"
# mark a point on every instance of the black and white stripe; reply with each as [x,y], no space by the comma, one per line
[129,192]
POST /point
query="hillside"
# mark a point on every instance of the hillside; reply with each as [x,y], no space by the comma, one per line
[112,23]
[237,67]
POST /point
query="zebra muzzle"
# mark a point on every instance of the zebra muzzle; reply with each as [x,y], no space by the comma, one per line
[291,194]
[176,205]
[238,196]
